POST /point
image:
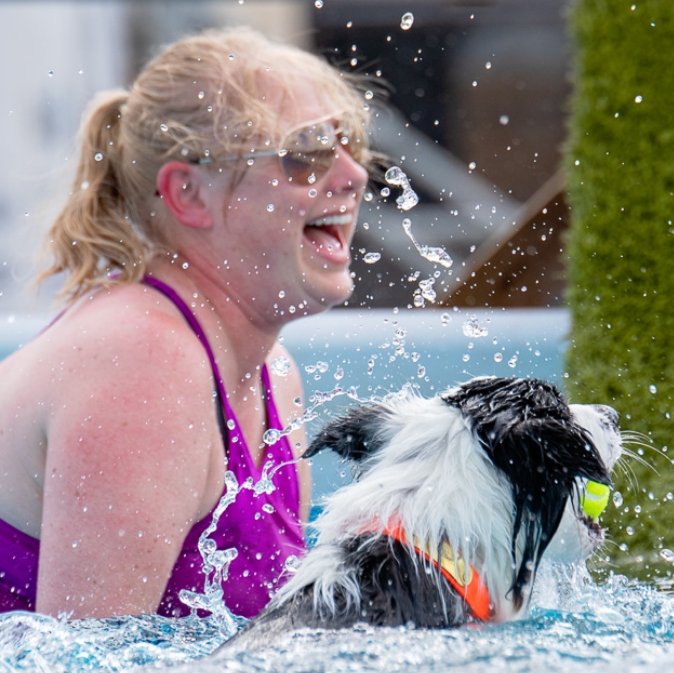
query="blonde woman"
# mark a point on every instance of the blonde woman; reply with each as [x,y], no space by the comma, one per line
[214,202]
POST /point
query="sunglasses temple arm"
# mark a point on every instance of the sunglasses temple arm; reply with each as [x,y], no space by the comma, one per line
[252,155]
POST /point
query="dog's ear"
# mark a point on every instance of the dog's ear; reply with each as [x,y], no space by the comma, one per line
[355,435]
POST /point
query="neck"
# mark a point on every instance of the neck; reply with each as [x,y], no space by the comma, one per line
[233,326]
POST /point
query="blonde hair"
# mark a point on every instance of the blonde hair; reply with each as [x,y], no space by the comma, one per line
[202,96]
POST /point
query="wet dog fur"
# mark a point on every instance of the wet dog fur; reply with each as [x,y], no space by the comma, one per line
[494,467]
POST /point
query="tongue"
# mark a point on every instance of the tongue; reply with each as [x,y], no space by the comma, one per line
[327,243]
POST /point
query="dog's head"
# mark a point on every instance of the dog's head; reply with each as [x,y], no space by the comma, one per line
[491,466]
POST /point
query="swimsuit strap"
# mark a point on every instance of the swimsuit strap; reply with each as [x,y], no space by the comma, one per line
[198,330]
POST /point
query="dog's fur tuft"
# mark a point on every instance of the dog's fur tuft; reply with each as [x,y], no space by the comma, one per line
[490,467]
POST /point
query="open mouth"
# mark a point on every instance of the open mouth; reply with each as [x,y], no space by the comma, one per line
[326,236]
[593,528]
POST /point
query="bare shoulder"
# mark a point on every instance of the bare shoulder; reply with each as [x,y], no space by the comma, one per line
[125,330]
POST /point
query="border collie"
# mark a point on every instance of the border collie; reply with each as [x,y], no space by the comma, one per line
[456,500]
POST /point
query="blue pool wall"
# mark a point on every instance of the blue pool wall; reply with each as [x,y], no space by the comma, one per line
[374,352]
[382,350]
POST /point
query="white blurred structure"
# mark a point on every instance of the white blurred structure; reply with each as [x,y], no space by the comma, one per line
[54,57]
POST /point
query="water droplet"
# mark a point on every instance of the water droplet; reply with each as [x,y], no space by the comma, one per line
[281,294]
[638,99]
[617,498]
[201,95]
[50,73]
[487,65]
[668,555]
[385,192]
[512,363]
[231,424]
[270,207]
[371,257]
[498,357]
[163,127]
[472,165]
[98,156]
[629,530]
[280,366]
[313,193]
[84,185]
[421,371]
[339,374]
[407,20]
[465,357]
[268,508]
[292,564]
[503,120]
[436,255]
[311,179]
[271,436]
[186,265]
[369,95]
[471,328]
[653,389]
[368,197]
[318,4]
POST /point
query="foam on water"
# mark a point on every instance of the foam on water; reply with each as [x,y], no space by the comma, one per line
[575,625]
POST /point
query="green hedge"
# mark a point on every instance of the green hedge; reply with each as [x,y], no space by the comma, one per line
[620,177]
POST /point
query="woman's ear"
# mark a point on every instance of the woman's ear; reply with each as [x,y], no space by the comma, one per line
[181,186]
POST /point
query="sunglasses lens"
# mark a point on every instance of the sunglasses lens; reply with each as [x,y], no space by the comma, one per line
[308,153]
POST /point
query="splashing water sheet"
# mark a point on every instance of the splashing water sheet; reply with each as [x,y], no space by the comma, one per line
[575,626]
[438,255]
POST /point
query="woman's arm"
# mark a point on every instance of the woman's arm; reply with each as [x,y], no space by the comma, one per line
[134,458]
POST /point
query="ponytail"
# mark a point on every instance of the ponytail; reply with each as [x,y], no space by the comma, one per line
[92,239]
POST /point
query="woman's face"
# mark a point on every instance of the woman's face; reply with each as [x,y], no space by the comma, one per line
[285,245]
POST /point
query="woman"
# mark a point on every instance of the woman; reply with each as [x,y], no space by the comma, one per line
[213,203]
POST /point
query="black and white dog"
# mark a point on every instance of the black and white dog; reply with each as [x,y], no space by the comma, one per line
[456,501]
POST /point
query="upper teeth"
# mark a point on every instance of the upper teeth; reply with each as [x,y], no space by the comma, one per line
[332,219]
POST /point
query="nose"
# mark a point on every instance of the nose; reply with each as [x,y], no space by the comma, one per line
[346,174]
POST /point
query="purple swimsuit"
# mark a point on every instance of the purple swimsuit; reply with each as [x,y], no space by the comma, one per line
[265,529]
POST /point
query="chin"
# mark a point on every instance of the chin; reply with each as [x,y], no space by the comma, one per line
[456,501]
[333,295]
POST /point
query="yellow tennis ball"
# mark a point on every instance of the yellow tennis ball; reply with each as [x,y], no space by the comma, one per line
[595,499]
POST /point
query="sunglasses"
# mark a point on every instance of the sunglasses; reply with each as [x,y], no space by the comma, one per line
[306,155]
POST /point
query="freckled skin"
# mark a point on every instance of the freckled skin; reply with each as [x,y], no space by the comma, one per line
[110,448]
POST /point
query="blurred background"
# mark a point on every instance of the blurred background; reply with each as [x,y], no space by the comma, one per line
[476,119]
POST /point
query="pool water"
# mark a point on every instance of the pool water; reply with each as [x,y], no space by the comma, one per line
[575,625]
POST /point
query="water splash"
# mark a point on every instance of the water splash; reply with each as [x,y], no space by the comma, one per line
[407,20]
[216,562]
[435,255]
[215,566]
[473,329]
[318,399]
[280,366]
[408,199]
